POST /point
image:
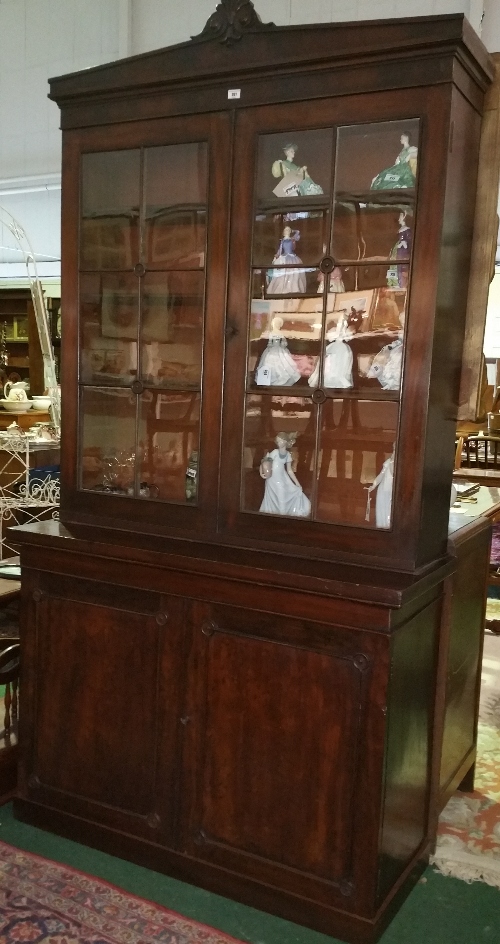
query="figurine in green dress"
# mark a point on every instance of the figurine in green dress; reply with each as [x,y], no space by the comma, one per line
[296,181]
[403,172]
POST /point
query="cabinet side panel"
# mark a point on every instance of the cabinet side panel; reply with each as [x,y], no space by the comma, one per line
[464,656]
[408,743]
[458,224]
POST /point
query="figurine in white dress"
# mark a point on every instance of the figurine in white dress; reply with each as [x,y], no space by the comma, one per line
[277,359]
[383,502]
[338,358]
[283,493]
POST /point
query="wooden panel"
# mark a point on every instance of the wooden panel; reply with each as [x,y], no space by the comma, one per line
[464,657]
[107,689]
[95,646]
[276,706]
[409,743]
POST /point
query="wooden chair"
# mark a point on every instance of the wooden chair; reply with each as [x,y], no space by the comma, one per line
[478,452]
[9,676]
[479,455]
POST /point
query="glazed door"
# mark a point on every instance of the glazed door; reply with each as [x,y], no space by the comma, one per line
[269,698]
[322,317]
[150,314]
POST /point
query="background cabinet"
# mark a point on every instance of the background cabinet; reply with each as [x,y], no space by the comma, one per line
[19,331]
[286,746]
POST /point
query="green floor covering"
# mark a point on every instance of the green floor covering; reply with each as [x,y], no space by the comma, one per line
[438,911]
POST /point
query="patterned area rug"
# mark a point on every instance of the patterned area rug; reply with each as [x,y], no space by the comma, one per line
[468,844]
[42,902]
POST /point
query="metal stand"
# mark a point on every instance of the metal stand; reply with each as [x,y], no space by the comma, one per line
[22,498]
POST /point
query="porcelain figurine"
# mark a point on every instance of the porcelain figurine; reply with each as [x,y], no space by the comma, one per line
[386,365]
[335,284]
[397,275]
[337,370]
[283,493]
[296,181]
[383,502]
[276,366]
[402,174]
[287,281]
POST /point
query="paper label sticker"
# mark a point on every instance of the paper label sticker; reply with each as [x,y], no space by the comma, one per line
[263,377]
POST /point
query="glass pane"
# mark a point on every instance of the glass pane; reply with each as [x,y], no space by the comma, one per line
[300,235]
[295,165]
[372,230]
[169,433]
[285,279]
[355,462]
[284,341]
[109,311]
[175,199]
[363,346]
[172,328]
[278,455]
[109,237]
[378,157]
[108,440]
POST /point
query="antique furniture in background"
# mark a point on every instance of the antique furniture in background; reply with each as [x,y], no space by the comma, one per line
[484,248]
[264,302]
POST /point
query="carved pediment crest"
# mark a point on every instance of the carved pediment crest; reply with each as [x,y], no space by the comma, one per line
[232,18]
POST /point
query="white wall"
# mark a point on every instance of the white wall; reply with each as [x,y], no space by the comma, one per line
[38,39]
[43,38]
[154,24]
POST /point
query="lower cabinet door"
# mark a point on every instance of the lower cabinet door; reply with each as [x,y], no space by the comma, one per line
[103,680]
[285,751]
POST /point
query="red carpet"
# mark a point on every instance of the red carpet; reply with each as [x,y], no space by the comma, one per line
[42,902]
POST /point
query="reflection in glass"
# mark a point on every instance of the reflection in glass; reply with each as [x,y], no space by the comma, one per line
[367,230]
[295,166]
[309,229]
[172,328]
[356,439]
[109,236]
[108,440]
[109,311]
[169,431]
[175,205]
[292,420]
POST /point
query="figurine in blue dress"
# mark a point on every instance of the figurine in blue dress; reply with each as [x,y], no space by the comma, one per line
[282,281]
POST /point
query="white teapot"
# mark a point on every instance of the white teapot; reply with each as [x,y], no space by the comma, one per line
[15,391]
